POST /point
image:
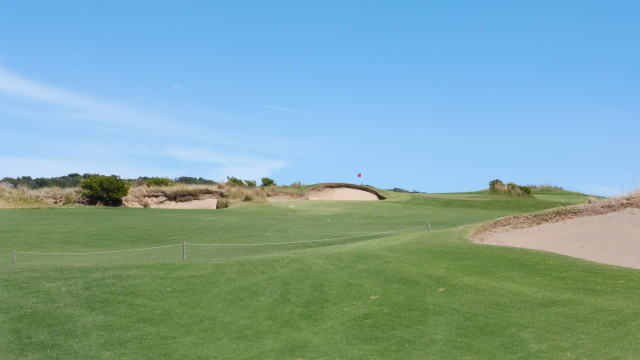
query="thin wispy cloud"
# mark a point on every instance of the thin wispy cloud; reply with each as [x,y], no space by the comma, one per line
[289,110]
[179,87]
[132,128]
[72,105]
[17,85]
[244,166]
[83,106]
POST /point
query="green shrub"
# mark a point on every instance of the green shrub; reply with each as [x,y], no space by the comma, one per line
[496,185]
[107,190]
[234,181]
[156,181]
[267,182]
[250,183]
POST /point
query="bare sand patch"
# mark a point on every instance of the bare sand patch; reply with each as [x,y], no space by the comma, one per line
[194,204]
[612,238]
[341,193]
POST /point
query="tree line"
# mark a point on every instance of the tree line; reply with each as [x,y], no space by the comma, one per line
[74,180]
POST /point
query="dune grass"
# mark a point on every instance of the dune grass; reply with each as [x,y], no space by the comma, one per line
[407,295]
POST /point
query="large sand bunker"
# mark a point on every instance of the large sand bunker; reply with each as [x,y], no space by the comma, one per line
[612,238]
[333,191]
[194,204]
[341,193]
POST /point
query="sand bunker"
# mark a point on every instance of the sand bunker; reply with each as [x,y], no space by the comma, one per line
[204,204]
[332,191]
[194,204]
[341,193]
[612,238]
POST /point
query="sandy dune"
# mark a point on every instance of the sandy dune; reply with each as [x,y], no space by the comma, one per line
[612,238]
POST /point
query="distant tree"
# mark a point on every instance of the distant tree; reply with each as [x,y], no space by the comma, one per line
[8,180]
[156,181]
[400,190]
[267,182]
[250,183]
[40,183]
[194,181]
[108,190]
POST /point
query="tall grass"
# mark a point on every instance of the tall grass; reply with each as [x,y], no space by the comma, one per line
[24,197]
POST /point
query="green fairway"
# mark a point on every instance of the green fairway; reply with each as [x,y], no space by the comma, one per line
[362,292]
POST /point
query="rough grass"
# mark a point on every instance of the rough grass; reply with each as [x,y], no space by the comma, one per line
[20,198]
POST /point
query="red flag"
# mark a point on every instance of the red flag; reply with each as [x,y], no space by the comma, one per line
[359,175]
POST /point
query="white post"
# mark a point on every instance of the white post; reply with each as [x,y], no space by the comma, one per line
[184,251]
[429,226]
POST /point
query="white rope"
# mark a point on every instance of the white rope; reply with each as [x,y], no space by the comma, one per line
[259,244]
[310,241]
[96,252]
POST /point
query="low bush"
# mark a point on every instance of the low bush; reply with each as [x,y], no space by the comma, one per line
[106,190]
[267,182]
[497,186]
[250,183]
[518,190]
[234,181]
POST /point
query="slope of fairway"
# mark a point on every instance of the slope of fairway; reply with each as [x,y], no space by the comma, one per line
[408,295]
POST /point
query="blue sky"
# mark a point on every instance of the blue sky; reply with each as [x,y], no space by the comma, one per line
[435,96]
